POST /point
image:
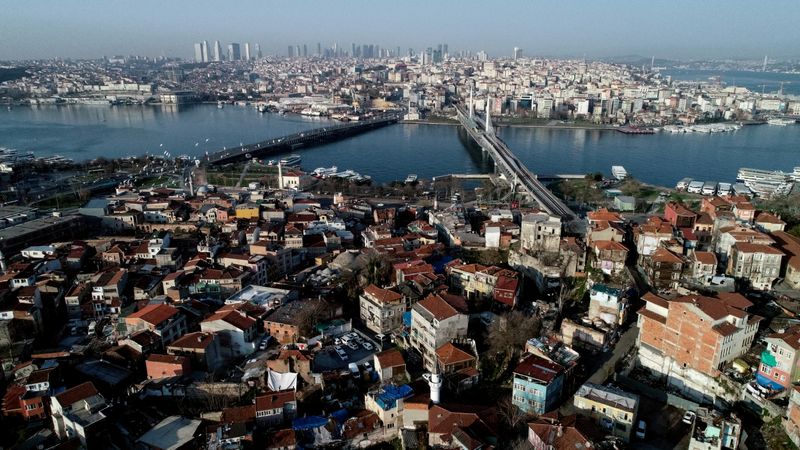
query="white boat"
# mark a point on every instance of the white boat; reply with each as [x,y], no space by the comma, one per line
[324,172]
[619,172]
[411,178]
[767,183]
[262,108]
[291,160]
[683,184]
[781,122]
[220,104]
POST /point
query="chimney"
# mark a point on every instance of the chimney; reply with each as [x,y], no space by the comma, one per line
[560,431]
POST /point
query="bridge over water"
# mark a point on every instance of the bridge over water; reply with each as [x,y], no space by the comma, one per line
[510,167]
[308,138]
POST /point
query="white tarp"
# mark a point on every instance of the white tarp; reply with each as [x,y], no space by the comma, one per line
[277,381]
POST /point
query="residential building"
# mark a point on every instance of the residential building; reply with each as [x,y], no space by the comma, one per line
[202,349]
[780,364]
[758,264]
[164,320]
[791,424]
[236,330]
[679,216]
[537,385]
[688,339]
[381,310]
[702,266]
[613,409]
[276,408]
[78,413]
[433,323]
[390,365]
[609,256]
[664,269]
[790,267]
[607,304]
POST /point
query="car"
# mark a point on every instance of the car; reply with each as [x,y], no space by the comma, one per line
[342,354]
[367,345]
[353,345]
[688,417]
[641,429]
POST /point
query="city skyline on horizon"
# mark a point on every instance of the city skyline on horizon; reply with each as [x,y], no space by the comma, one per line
[597,31]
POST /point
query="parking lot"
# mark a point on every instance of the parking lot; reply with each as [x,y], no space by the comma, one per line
[328,359]
[665,429]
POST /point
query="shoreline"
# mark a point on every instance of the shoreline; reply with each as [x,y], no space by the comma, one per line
[512,125]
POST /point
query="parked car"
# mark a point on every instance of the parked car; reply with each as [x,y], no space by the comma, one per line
[342,354]
[641,429]
[367,345]
[688,417]
[352,345]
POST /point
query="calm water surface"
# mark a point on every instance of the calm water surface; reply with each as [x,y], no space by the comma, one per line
[85,132]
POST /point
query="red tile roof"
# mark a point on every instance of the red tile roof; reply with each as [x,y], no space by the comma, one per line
[273,400]
[154,314]
[390,358]
[450,354]
[76,394]
[193,340]
[382,295]
[539,368]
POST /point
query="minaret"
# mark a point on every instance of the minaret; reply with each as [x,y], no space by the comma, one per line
[471,103]
[488,114]
[280,176]
[435,383]
[3,265]
[191,184]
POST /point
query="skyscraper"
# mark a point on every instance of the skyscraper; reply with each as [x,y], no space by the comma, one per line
[319,49]
[247,51]
[305,51]
[444,50]
[234,53]
[217,51]
[258,51]
[290,53]
[517,53]
[297,50]
[204,48]
[198,52]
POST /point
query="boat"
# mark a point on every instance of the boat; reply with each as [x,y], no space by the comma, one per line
[220,104]
[619,172]
[781,122]
[768,183]
[291,160]
[262,108]
[324,172]
[272,162]
[411,178]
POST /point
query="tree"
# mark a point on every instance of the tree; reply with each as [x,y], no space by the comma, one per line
[377,271]
[506,337]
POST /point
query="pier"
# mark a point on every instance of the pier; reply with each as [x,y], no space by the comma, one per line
[309,138]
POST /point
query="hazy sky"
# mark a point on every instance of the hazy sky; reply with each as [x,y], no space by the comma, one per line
[598,28]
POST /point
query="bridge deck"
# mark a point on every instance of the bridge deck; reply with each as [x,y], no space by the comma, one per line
[306,138]
[512,168]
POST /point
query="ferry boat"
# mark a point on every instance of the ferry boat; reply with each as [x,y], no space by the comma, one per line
[781,122]
[220,104]
[324,172]
[291,160]
[767,183]
[411,178]
[619,172]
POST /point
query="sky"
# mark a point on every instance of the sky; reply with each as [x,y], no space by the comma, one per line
[678,29]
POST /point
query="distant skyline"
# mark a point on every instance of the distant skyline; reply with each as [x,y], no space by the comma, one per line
[680,29]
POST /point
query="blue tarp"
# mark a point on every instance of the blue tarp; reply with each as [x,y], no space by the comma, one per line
[768,383]
[340,416]
[387,398]
[407,318]
[308,423]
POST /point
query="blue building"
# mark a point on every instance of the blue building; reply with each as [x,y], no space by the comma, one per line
[537,385]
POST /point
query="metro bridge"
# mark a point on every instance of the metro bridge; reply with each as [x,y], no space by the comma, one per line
[308,138]
[509,167]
